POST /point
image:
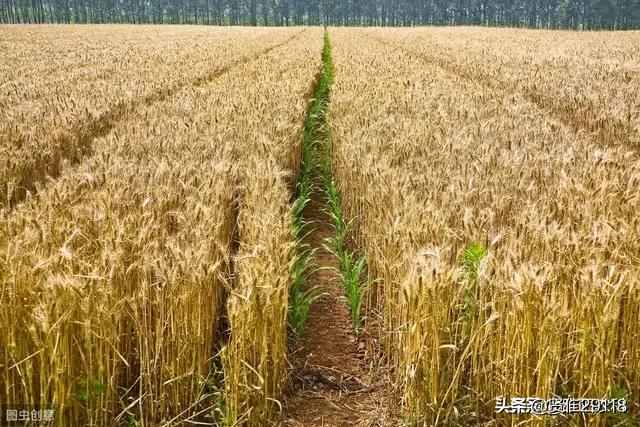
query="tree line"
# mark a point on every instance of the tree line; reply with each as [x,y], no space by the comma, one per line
[556,14]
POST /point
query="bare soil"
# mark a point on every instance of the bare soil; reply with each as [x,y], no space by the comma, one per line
[331,383]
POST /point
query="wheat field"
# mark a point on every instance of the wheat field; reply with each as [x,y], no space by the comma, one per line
[150,235]
[115,274]
[496,191]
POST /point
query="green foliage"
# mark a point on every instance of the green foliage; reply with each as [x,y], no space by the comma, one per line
[298,222]
[351,267]
[132,421]
[300,301]
[89,388]
[211,387]
[627,418]
[335,213]
[472,256]
[618,392]
[565,14]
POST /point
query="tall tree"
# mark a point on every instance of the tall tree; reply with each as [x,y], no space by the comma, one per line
[573,14]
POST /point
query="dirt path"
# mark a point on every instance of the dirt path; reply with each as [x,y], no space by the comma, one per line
[331,385]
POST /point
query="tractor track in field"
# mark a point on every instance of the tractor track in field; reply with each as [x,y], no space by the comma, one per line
[331,382]
[575,118]
[75,143]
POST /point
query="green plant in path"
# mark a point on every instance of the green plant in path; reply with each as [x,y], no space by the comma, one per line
[350,270]
[351,267]
[350,275]
[300,300]
[335,213]
[298,222]
[327,59]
